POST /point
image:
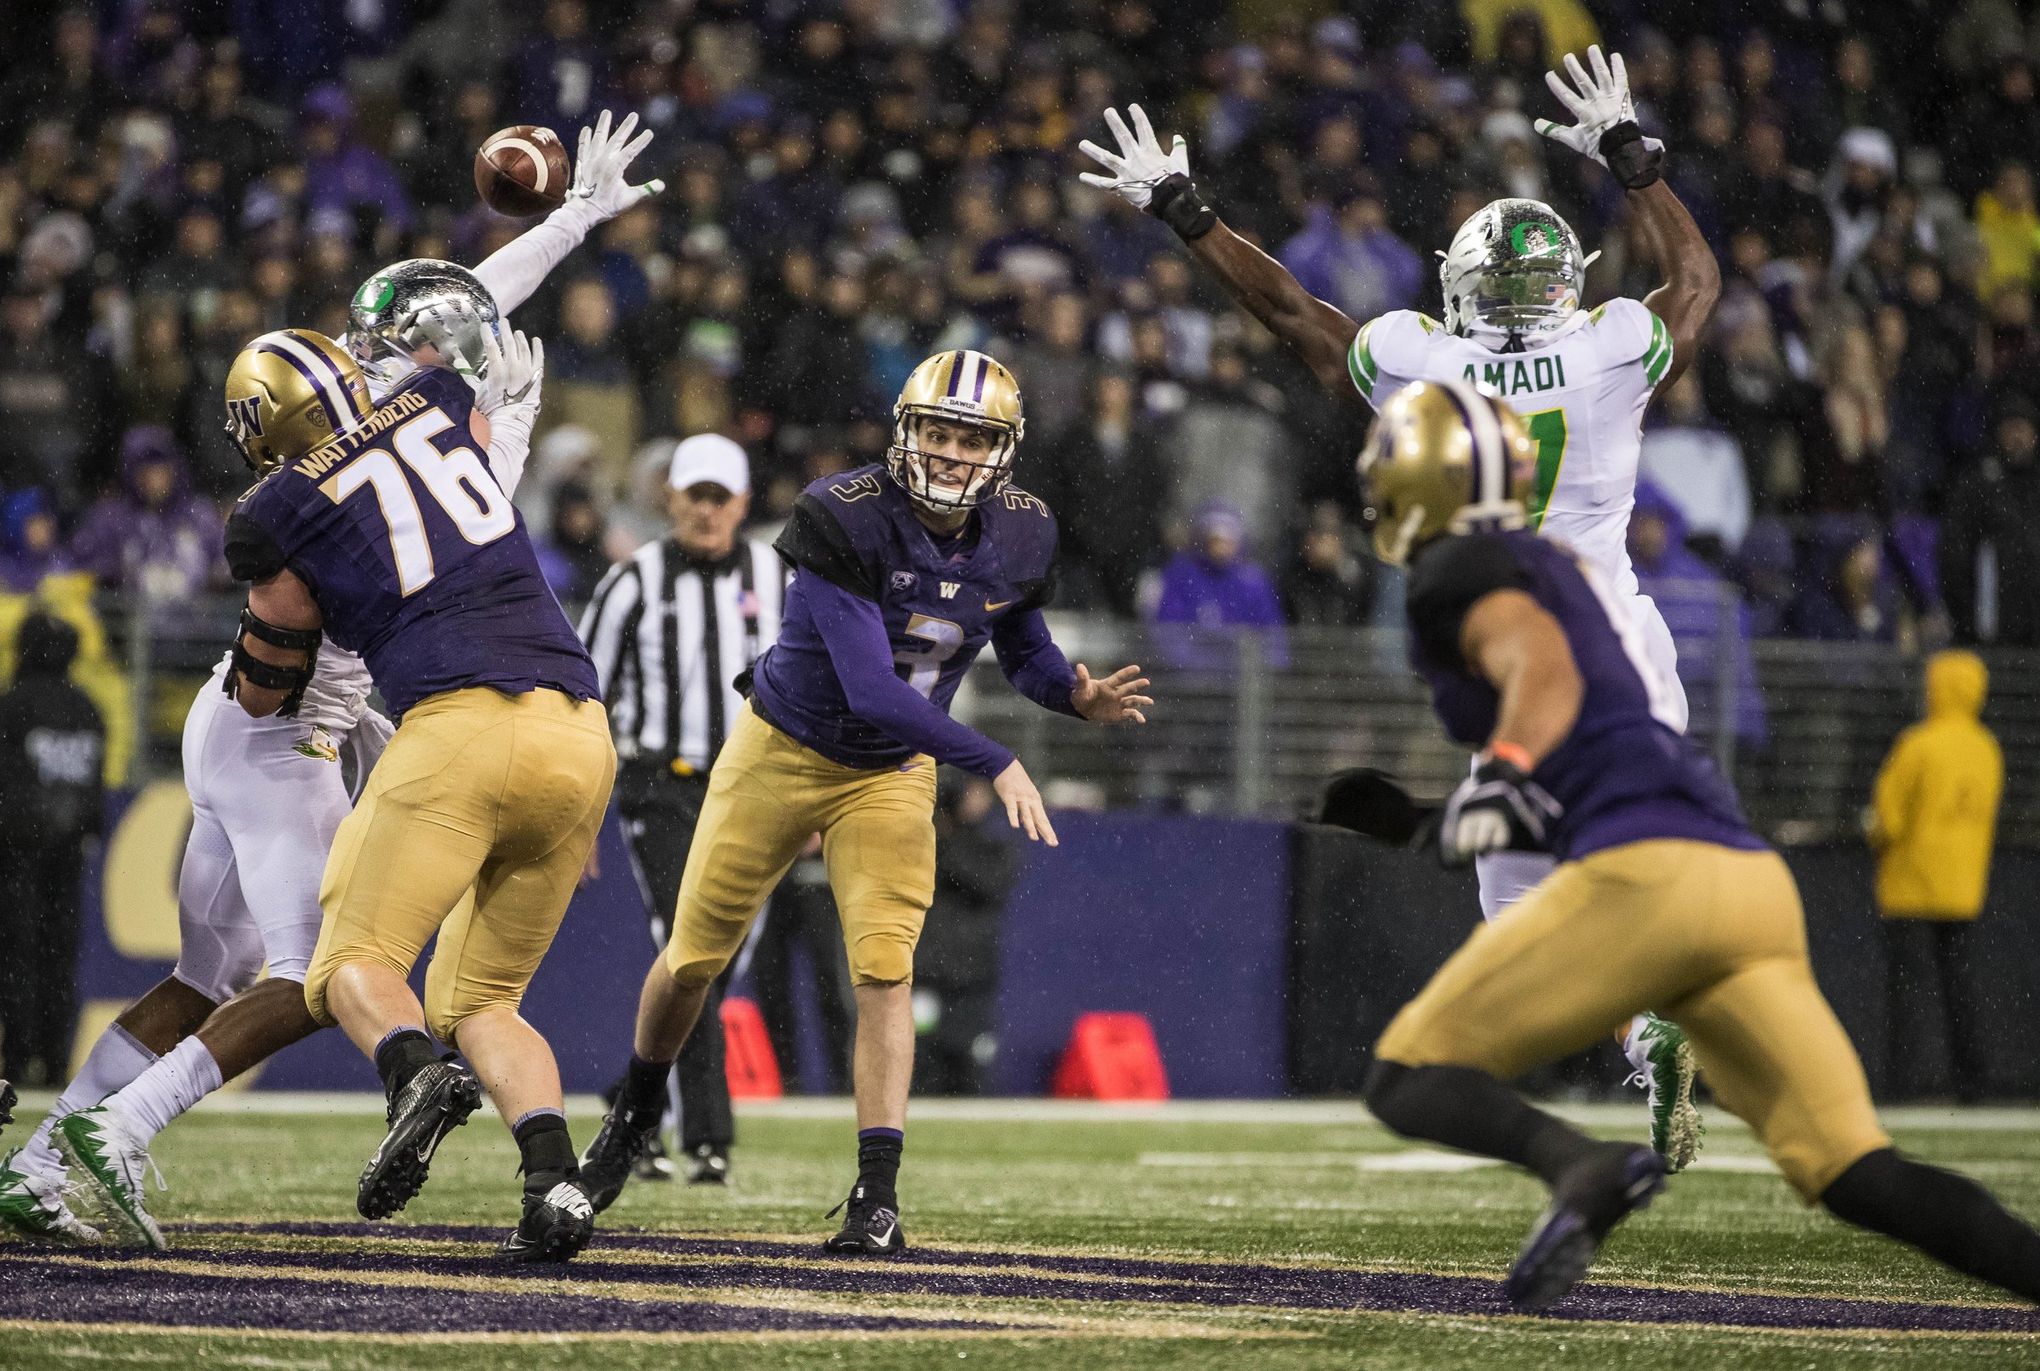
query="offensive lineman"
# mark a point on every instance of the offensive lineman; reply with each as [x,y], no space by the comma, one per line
[1661,894]
[902,574]
[267,793]
[1580,379]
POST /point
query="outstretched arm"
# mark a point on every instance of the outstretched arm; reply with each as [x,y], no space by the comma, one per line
[1149,179]
[1692,277]
[1605,130]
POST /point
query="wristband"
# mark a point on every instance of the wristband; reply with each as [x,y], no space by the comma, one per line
[1634,162]
[1515,754]
[1176,203]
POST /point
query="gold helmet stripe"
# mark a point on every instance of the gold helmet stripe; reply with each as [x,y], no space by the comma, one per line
[321,373]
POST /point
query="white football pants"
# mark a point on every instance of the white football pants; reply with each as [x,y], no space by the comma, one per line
[1506,877]
[266,797]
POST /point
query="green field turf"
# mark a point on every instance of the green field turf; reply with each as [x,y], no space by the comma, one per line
[997,1200]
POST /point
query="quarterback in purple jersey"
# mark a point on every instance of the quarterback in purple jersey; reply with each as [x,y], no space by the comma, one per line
[1661,897]
[902,574]
[394,536]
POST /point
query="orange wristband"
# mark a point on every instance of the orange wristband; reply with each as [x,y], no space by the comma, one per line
[1515,754]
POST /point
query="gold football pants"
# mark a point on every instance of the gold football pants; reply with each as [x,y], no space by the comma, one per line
[766,796]
[1709,937]
[503,793]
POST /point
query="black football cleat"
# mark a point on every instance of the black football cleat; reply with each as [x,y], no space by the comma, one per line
[432,1104]
[555,1226]
[654,1164]
[1595,1195]
[708,1165]
[613,1156]
[870,1229]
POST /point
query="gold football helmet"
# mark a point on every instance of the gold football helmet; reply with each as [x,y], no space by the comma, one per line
[1444,457]
[290,391]
[960,387]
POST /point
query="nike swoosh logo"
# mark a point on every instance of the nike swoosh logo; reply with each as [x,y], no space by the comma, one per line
[991,608]
[886,1237]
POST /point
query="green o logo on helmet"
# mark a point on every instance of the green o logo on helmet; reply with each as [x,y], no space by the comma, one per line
[1536,238]
[375,294]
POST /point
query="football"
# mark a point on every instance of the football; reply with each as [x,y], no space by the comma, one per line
[522,170]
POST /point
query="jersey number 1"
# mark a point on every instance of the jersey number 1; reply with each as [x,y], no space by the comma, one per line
[1547,429]
[458,482]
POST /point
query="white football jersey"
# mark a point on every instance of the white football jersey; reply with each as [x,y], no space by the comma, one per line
[1580,390]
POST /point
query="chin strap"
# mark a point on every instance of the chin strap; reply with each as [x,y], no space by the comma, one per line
[267,675]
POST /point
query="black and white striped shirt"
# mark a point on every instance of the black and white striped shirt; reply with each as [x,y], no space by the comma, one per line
[670,634]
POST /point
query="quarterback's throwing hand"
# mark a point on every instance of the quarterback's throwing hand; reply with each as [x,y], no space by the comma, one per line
[600,161]
[1140,164]
[1116,699]
[1497,807]
[1024,809]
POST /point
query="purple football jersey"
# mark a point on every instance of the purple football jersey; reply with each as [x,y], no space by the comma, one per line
[1622,774]
[417,559]
[941,600]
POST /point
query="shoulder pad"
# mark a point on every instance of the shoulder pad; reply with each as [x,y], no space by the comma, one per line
[252,553]
[1449,578]
[443,386]
[1389,342]
[1631,333]
[816,540]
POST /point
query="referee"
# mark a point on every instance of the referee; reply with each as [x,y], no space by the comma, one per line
[669,631]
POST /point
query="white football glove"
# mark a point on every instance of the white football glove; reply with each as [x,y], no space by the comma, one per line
[1497,807]
[514,374]
[1597,102]
[600,161]
[1140,162]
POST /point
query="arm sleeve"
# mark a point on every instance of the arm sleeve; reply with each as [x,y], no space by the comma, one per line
[605,621]
[816,540]
[1033,663]
[853,630]
[510,444]
[1448,580]
[252,554]
[514,271]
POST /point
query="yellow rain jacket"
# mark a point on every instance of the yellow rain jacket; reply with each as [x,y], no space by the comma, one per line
[1937,800]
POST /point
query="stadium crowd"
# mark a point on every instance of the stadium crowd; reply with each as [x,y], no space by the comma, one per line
[855,185]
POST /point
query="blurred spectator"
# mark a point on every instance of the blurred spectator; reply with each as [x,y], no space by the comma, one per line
[347,183]
[1846,437]
[1849,598]
[956,967]
[1699,468]
[1213,583]
[1052,364]
[55,402]
[30,545]
[1933,824]
[1709,624]
[1108,483]
[1348,255]
[1327,582]
[2010,229]
[52,759]
[588,380]
[153,534]
[1990,537]
[572,554]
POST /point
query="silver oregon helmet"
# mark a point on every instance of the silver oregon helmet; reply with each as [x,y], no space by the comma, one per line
[1514,266]
[408,305]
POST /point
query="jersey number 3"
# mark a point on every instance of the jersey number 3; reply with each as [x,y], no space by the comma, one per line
[458,482]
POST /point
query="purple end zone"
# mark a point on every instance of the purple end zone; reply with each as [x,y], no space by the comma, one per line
[923,1271]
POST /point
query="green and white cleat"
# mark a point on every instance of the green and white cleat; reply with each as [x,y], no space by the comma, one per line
[32,1206]
[1675,1126]
[112,1162]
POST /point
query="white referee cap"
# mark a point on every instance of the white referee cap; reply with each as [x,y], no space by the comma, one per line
[710,457]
